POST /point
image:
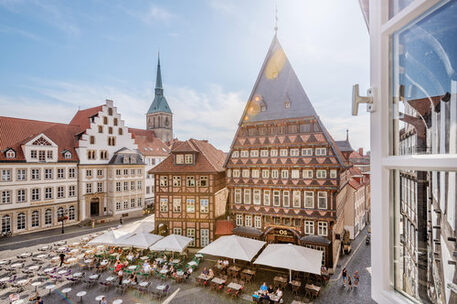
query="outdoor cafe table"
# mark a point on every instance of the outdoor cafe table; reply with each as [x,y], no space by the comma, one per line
[144,258]
[218,281]
[281,281]
[34,267]
[63,248]
[249,272]
[71,260]
[274,298]
[50,287]
[176,261]
[234,286]
[199,255]
[44,248]
[312,289]
[164,271]
[77,274]
[62,271]
[24,255]
[159,260]
[132,267]
[143,284]
[36,284]
[16,265]
[60,243]
[88,261]
[160,287]
[295,283]
[20,301]
[75,244]
[104,262]
[4,279]
[3,262]
[48,270]
[42,256]
[126,281]
[74,251]
[110,279]
[93,277]
[192,263]
[204,277]
[233,270]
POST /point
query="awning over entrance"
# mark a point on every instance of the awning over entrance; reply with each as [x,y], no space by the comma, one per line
[315,239]
[249,232]
[234,247]
[292,257]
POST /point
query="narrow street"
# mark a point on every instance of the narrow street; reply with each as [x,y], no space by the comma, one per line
[361,262]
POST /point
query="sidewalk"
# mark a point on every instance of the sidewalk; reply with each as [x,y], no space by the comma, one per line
[54,235]
[345,259]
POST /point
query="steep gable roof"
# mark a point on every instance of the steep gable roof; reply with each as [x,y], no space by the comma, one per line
[276,84]
[208,159]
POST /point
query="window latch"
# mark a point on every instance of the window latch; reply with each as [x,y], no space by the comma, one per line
[357,99]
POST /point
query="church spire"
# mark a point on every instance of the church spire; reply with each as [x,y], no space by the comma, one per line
[158,88]
[276,19]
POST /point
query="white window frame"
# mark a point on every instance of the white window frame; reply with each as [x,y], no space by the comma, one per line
[307,173]
[284,152]
[322,228]
[295,173]
[286,198]
[309,227]
[265,173]
[239,220]
[381,30]
[204,237]
[308,196]
[237,196]
[163,205]
[244,153]
[263,153]
[254,153]
[204,205]
[235,154]
[258,221]
[276,194]
[296,198]
[307,152]
[274,152]
[248,220]
[321,173]
[190,205]
[247,196]
[266,197]
[256,194]
[245,173]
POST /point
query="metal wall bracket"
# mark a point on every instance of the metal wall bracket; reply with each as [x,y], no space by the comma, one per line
[357,99]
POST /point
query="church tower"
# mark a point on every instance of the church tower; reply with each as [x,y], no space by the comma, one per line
[159,117]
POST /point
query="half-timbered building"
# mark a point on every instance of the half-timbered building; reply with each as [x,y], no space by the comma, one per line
[190,191]
[283,167]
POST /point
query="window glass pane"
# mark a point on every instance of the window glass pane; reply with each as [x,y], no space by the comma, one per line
[423,227]
[424,88]
[395,6]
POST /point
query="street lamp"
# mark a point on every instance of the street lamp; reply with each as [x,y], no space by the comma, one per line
[62,219]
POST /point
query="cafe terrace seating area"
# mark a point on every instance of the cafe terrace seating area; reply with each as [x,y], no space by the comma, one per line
[130,265]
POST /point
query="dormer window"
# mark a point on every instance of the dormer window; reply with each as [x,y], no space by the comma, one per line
[189,159]
[125,159]
[10,153]
[179,159]
[263,107]
[132,159]
[287,104]
[67,155]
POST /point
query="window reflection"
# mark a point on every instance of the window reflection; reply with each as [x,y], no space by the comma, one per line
[395,6]
[424,231]
[424,88]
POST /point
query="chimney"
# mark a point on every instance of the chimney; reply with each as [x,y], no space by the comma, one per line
[361,151]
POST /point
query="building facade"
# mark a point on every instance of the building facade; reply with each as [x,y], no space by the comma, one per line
[154,151]
[190,191]
[283,167]
[102,137]
[39,175]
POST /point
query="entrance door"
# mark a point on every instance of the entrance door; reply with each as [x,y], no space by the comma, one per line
[94,207]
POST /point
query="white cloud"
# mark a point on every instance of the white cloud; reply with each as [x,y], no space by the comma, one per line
[17,31]
[211,115]
[151,14]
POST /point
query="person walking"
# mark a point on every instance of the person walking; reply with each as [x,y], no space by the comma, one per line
[356,279]
[349,283]
[345,274]
[62,258]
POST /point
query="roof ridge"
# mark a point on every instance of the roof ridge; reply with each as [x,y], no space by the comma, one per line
[35,120]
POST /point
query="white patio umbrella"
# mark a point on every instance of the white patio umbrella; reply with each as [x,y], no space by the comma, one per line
[234,247]
[108,238]
[138,240]
[292,257]
[172,242]
[144,225]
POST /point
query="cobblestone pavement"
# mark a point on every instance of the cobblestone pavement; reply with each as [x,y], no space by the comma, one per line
[53,235]
[361,262]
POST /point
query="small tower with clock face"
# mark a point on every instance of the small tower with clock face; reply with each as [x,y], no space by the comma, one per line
[159,117]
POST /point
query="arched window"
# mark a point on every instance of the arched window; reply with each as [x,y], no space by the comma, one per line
[166,121]
[48,217]
[71,213]
[35,219]
[153,122]
[20,221]
[159,122]
[6,223]
[60,212]
[10,154]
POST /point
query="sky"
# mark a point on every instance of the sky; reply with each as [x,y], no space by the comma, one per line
[58,56]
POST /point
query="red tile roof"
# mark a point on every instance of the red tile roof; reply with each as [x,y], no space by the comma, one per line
[82,118]
[224,227]
[148,144]
[208,158]
[354,184]
[14,132]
